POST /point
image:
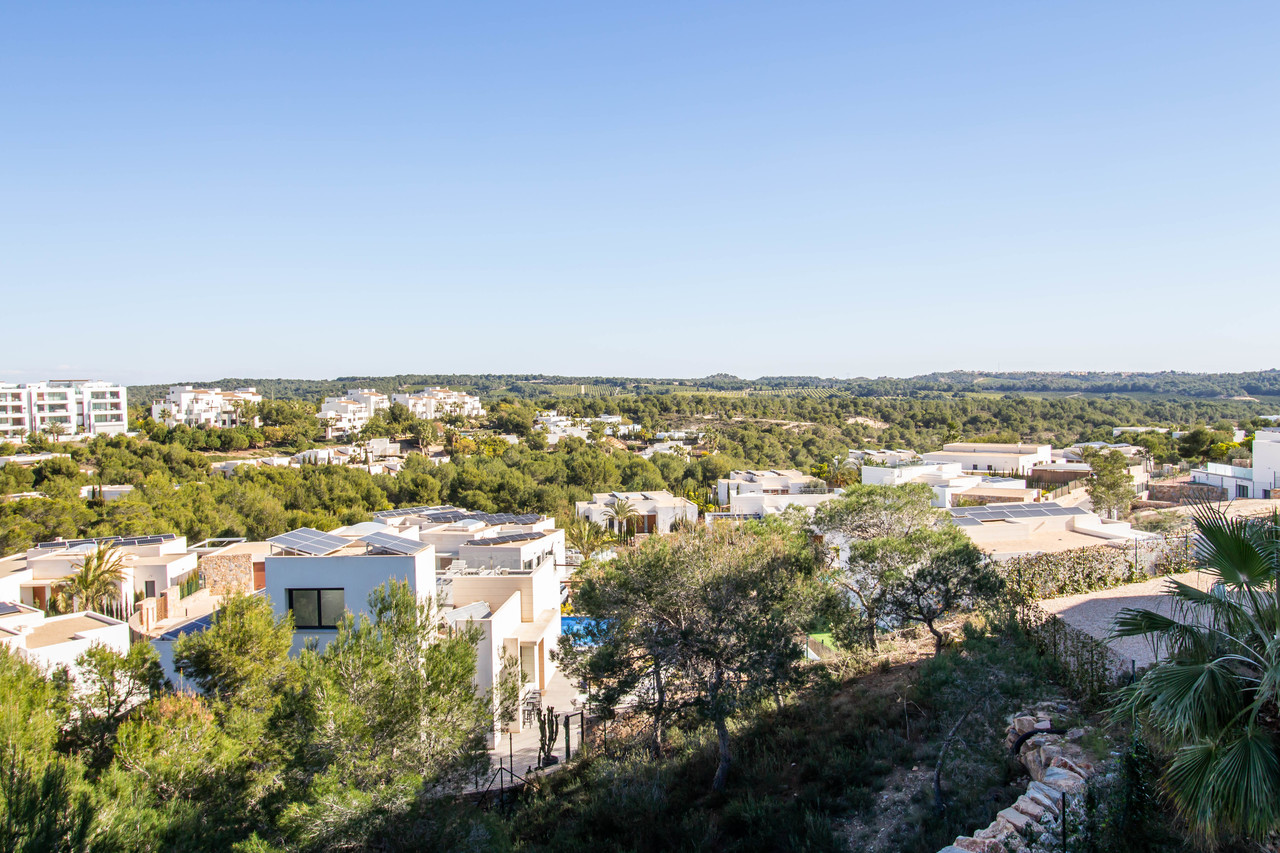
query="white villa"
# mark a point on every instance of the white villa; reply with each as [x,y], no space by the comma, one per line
[76,406]
[656,512]
[205,407]
[993,458]
[950,481]
[51,642]
[152,566]
[1260,481]
[506,584]
[1008,530]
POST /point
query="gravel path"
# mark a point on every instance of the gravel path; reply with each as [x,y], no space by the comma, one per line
[1093,612]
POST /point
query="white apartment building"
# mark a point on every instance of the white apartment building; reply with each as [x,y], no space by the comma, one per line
[348,414]
[656,512]
[1260,481]
[205,407]
[433,403]
[990,457]
[76,406]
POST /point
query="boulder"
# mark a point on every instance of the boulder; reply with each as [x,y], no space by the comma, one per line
[1045,796]
[1022,725]
[979,845]
[1062,780]
[1016,819]
[1082,769]
[1074,735]
[1029,807]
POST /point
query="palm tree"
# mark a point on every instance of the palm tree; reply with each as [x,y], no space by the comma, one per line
[586,537]
[96,586]
[1213,696]
[621,513]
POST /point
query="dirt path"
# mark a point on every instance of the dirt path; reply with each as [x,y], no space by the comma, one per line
[1094,612]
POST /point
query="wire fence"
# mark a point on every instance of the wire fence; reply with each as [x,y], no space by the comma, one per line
[1088,667]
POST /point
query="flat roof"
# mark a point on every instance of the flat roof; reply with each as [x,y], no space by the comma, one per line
[63,629]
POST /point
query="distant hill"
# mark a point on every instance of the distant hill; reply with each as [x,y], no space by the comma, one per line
[1171,384]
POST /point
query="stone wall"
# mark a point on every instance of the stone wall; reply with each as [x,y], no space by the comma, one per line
[1186,493]
[227,573]
[1059,768]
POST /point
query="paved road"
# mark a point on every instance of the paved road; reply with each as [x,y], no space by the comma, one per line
[1094,612]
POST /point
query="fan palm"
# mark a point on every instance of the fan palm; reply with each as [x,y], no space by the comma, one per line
[621,513]
[1213,696]
[586,537]
[96,585]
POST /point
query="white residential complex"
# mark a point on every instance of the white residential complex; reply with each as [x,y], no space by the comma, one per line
[1260,481]
[71,406]
[437,402]
[205,407]
[349,413]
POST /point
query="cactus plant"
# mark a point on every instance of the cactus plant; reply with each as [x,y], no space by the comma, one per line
[548,732]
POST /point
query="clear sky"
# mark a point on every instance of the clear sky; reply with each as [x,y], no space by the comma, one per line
[197,189]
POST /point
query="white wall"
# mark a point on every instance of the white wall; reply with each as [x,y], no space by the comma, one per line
[356,575]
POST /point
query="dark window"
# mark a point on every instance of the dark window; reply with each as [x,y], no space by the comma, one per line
[1242,491]
[316,608]
[149,589]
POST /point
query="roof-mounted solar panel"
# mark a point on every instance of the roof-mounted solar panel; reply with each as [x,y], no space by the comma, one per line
[309,541]
[393,544]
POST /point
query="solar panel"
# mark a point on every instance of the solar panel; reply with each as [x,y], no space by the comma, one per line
[8,608]
[309,541]
[507,538]
[155,539]
[394,544]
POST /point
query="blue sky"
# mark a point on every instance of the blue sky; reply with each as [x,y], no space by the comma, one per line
[198,189]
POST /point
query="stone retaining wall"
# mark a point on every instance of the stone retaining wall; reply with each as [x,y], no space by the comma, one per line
[1058,768]
[227,573]
[1186,493]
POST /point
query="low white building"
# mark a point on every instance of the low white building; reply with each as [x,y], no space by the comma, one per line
[493,540]
[777,481]
[1262,480]
[150,565]
[74,406]
[1005,530]
[206,407]
[991,457]
[105,492]
[432,403]
[949,482]
[882,457]
[51,642]
[656,512]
